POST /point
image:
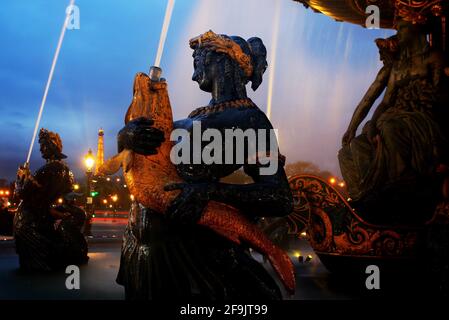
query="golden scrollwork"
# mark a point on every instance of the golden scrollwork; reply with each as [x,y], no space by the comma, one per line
[418,11]
[335,228]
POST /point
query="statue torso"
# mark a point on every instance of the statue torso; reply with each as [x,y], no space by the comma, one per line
[231,118]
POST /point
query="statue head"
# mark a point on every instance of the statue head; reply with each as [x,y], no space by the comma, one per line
[388,49]
[219,56]
[50,145]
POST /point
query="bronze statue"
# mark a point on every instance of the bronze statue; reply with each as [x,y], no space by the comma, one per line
[391,168]
[170,255]
[40,244]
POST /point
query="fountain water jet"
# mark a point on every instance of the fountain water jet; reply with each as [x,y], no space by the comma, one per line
[272,63]
[49,80]
[167,18]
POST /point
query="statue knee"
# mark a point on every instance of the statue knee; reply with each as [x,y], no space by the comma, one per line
[344,153]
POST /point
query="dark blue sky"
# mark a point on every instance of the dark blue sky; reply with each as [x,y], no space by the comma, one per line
[323,68]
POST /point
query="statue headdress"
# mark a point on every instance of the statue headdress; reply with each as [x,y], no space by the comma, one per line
[390,44]
[54,140]
[221,44]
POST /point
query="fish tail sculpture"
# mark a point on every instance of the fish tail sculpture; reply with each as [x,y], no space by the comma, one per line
[146,177]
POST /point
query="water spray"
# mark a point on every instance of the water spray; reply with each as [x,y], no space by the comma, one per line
[49,80]
[274,41]
[156,71]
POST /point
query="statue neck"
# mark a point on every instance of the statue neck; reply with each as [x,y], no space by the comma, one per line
[227,89]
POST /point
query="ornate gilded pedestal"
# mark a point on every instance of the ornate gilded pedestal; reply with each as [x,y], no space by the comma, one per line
[342,239]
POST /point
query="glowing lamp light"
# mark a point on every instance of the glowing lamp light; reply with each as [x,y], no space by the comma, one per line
[2,192]
[108,179]
[60,200]
[332,180]
[297,254]
[114,198]
[341,184]
[131,197]
[89,160]
[105,201]
[303,234]
[7,192]
[76,187]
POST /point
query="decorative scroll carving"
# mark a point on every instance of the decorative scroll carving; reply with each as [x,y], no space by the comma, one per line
[334,227]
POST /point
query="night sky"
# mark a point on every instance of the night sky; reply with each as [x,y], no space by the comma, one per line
[323,69]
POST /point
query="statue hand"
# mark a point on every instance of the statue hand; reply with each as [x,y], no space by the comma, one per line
[371,132]
[348,136]
[140,136]
[189,205]
[23,173]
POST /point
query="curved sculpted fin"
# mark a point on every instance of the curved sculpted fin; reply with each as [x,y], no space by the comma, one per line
[112,165]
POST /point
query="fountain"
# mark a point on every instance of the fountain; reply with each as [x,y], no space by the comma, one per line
[399,208]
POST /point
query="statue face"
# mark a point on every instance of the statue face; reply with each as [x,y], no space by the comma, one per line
[204,69]
[46,149]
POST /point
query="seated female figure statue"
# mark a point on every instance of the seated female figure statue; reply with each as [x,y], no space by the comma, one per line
[391,168]
[41,245]
[166,256]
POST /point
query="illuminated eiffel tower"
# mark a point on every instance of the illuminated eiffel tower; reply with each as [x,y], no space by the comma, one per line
[100,151]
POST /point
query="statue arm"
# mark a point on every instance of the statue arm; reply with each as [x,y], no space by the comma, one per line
[269,195]
[363,108]
[26,184]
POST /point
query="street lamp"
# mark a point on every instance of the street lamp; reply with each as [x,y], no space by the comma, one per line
[114,199]
[89,162]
